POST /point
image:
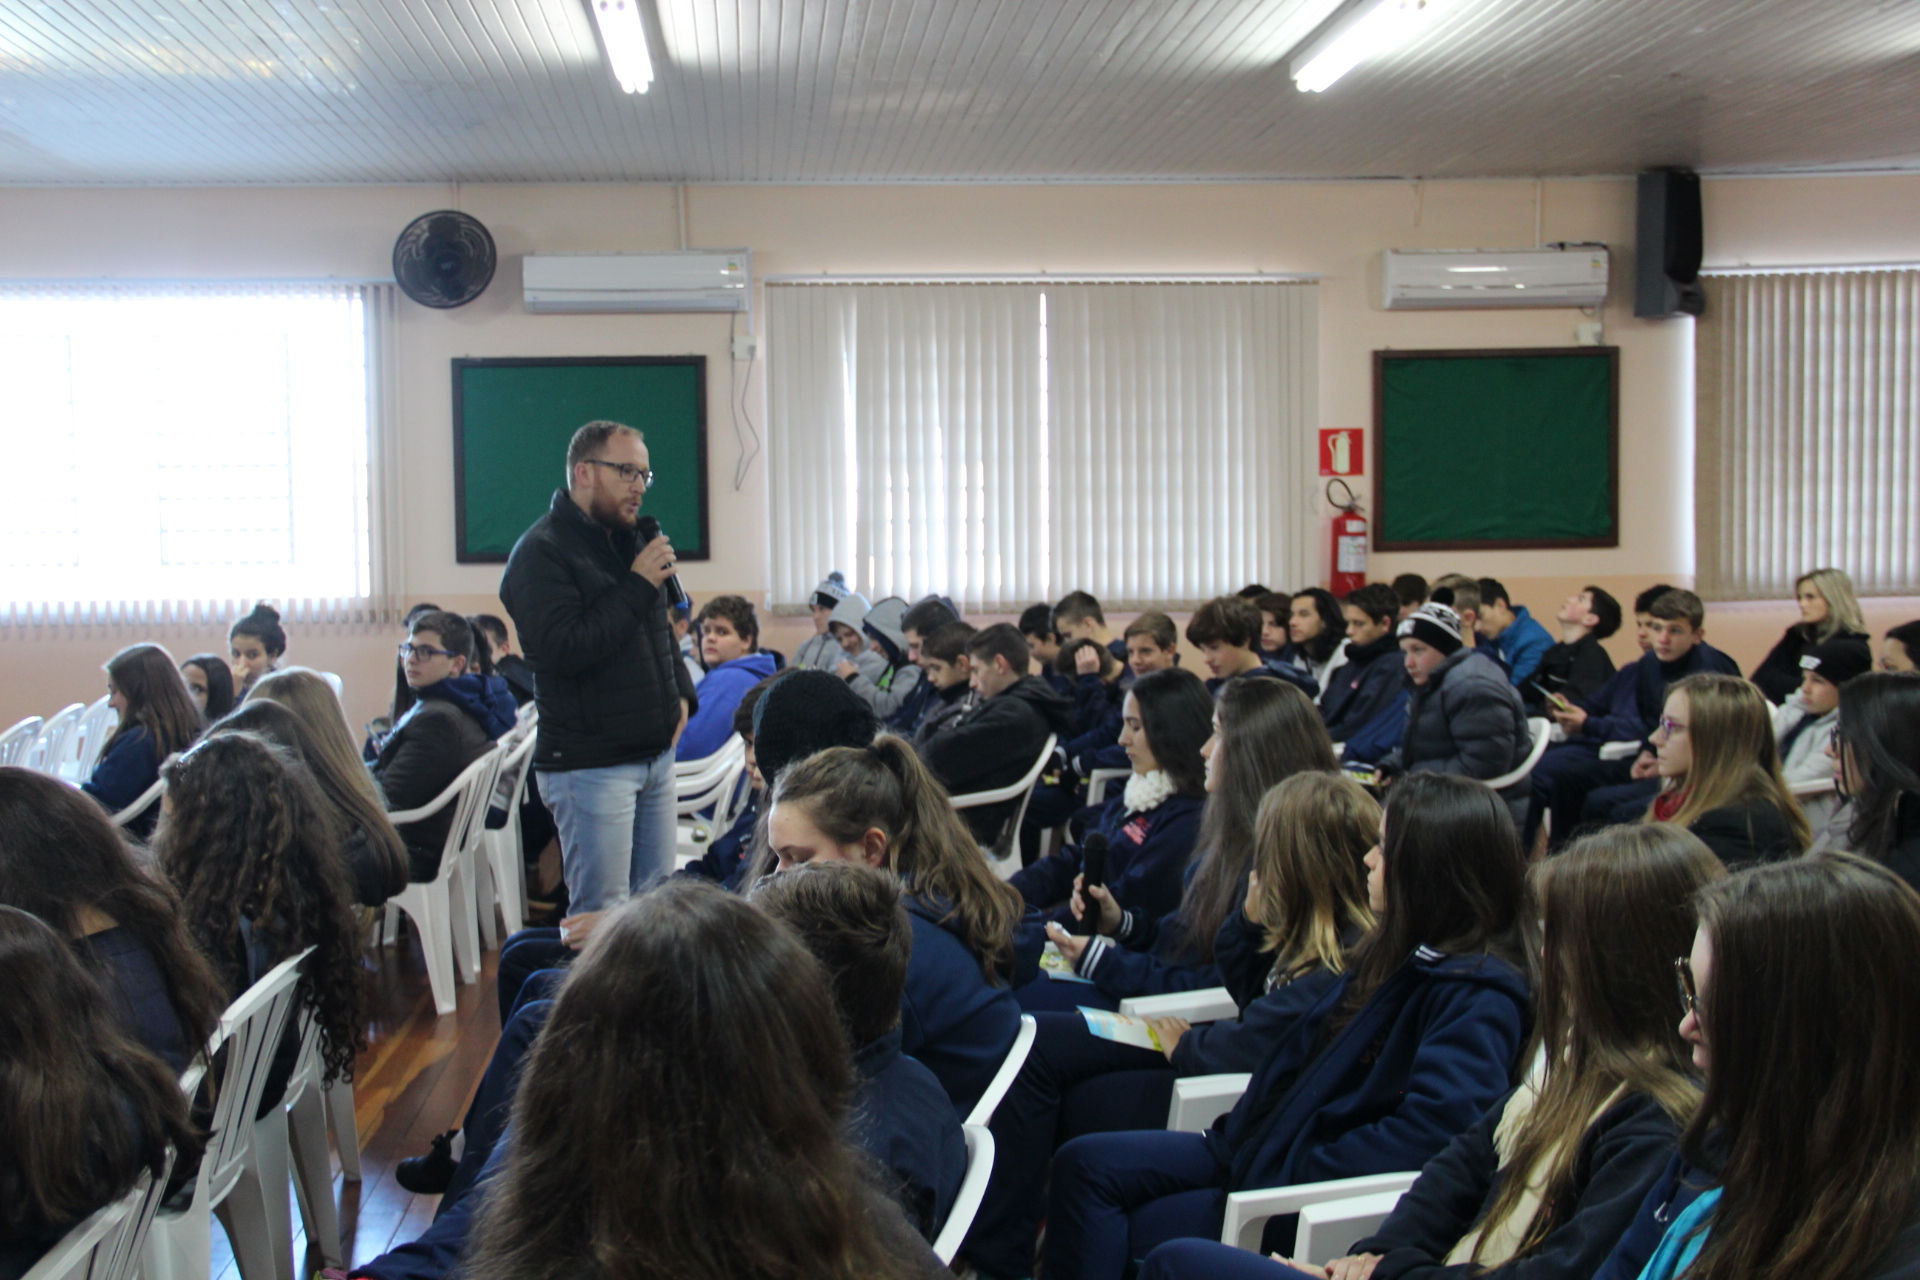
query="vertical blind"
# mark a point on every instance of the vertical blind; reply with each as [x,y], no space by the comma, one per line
[175,448]
[1005,443]
[1808,431]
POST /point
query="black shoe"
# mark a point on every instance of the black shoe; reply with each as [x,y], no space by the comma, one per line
[430,1174]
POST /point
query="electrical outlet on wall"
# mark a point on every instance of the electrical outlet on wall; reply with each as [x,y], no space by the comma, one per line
[745,347]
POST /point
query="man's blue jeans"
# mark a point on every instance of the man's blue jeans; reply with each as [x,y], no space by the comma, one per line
[616,829]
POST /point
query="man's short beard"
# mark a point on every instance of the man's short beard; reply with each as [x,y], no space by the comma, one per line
[608,516]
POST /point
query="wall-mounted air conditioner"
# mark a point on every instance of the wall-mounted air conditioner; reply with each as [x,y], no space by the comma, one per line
[1566,275]
[691,280]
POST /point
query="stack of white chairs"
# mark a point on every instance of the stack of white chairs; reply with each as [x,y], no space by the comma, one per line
[17,742]
[443,909]
[50,749]
[230,1181]
[713,782]
[501,864]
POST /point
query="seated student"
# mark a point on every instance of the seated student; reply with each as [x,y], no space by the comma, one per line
[680,618]
[1264,732]
[1226,630]
[879,806]
[507,664]
[1828,611]
[1276,611]
[890,679]
[1411,590]
[1370,678]
[1153,644]
[85,1110]
[1078,616]
[820,651]
[1766,992]
[157,719]
[402,700]
[855,923]
[257,642]
[1879,760]
[918,623]
[1643,619]
[1462,595]
[1318,631]
[64,861]
[1803,725]
[730,647]
[249,843]
[1313,831]
[1510,631]
[1097,685]
[210,684]
[1548,1181]
[1578,665]
[995,744]
[370,846]
[1627,708]
[943,654]
[1900,650]
[1720,773]
[728,1156]
[1464,717]
[1036,627]
[1403,1054]
[451,724]
[857,657]
[1150,826]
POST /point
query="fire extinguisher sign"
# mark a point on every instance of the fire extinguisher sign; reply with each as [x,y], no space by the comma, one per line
[1342,451]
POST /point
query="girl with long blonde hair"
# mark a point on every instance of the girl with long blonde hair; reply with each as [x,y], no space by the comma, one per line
[1720,772]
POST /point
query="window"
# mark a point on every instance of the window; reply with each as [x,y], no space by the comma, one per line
[1003,443]
[176,443]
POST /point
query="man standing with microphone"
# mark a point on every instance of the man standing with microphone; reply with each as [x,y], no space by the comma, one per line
[588,595]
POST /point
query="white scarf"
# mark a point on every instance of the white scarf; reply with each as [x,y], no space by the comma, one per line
[1147,790]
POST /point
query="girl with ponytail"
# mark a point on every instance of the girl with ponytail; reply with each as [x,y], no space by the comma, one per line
[878,806]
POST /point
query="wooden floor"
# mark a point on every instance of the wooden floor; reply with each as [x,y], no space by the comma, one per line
[414,1081]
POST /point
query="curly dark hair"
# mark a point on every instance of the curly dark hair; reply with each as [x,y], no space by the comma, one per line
[248,836]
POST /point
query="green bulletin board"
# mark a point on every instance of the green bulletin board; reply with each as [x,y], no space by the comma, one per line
[512,418]
[1496,449]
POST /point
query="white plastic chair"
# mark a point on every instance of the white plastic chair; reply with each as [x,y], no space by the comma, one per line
[229,1182]
[95,727]
[1332,1214]
[973,1189]
[344,1123]
[1542,731]
[292,1138]
[141,803]
[18,740]
[982,1113]
[333,682]
[106,1246]
[442,908]
[506,870]
[1003,856]
[50,749]
[1200,1100]
[1097,783]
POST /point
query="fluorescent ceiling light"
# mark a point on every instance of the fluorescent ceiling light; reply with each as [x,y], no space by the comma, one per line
[1373,27]
[626,42]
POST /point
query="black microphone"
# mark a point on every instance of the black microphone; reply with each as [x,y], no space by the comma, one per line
[1093,871]
[649,528]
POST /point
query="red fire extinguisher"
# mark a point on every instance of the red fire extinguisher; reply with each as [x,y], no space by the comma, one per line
[1349,568]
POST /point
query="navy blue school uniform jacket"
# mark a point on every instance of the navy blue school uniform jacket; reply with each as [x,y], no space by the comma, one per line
[1150,956]
[725,861]
[1283,671]
[1620,1157]
[951,1018]
[125,770]
[1362,687]
[1096,719]
[1417,1066]
[900,1117]
[1627,707]
[1266,1014]
[1147,857]
[140,995]
[1673,1191]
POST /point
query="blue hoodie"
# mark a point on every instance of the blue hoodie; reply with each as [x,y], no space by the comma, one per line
[1522,645]
[720,694]
[1418,1065]
[488,699]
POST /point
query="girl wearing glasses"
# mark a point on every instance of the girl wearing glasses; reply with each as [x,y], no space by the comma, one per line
[1720,772]
[1802,1004]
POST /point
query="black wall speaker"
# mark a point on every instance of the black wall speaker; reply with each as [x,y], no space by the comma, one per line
[1667,262]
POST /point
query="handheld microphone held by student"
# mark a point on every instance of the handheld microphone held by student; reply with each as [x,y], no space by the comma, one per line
[649,528]
[1093,871]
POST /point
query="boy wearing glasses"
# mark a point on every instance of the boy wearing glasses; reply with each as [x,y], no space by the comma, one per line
[454,720]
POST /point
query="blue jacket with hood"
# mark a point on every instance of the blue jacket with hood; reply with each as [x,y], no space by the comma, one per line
[1418,1065]
[709,728]
[1147,855]
[951,1018]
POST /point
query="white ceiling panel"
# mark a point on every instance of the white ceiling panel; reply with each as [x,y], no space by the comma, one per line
[304,91]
